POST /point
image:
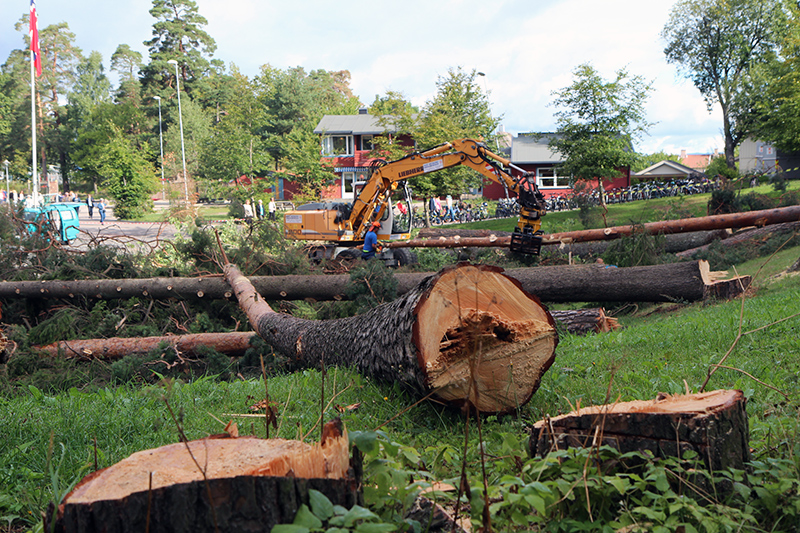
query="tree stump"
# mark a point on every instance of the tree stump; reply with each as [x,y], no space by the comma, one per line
[714,424]
[584,321]
[250,484]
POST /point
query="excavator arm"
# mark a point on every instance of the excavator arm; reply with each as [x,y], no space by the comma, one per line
[374,197]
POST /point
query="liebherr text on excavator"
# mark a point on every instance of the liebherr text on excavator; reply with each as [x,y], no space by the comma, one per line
[341,225]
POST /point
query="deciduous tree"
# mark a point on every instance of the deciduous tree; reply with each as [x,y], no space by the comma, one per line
[599,121]
[717,44]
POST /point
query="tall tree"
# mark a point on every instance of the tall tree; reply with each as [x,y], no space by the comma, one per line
[779,111]
[460,109]
[128,176]
[128,64]
[178,35]
[717,44]
[598,122]
[60,58]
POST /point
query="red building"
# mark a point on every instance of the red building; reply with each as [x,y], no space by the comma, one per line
[346,142]
[531,152]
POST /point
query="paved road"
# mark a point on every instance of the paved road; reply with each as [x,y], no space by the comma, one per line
[123,233]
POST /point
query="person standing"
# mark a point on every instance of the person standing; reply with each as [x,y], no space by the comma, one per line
[248,212]
[272,207]
[370,242]
[260,209]
[101,210]
[90,204]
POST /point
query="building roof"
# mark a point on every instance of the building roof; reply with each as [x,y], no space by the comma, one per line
[361,124]
[534,148]
[666,169]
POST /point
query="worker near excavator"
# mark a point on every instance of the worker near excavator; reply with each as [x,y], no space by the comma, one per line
[370,242]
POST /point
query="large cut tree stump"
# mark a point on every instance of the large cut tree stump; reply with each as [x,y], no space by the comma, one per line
[250,484]
[468,333]
[714,424]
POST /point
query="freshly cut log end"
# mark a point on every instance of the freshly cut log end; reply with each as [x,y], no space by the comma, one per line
[714,424]
[249,484]
[481,338]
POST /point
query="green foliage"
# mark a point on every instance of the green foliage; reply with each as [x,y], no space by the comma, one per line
[718,167]
[598,122]
[719,45]
[129,177]
[640,249]
[371,284]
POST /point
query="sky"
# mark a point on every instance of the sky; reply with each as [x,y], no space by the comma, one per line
[526,49]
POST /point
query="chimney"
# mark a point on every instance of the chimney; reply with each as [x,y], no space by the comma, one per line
[683,155]
[362,110]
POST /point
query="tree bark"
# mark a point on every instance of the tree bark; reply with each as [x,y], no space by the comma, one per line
[574,283]
[247,484]
[714,424]
[751,235]
[583,321]
[734,220]
[234,344]
[466,334]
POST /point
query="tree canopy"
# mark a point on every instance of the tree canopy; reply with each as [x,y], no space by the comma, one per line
[719,44]
[599,121]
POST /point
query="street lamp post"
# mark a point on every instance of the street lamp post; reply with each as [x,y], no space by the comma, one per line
[180,121]
[161,146]
[8,195]
[485,88]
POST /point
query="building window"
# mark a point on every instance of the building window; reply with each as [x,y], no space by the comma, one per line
[547,177]
[366,142]
[347,184]
[333,145]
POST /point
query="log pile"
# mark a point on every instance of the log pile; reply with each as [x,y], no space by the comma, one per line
[213,484]
[466,334]
[713,424]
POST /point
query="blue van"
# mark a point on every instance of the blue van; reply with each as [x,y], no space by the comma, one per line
[59,218]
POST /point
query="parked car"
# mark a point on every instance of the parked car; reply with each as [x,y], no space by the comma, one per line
[61,219]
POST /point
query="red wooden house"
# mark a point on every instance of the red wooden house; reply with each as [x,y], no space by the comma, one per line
[346,143]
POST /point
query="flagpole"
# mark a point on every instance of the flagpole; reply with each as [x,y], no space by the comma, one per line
[34,175]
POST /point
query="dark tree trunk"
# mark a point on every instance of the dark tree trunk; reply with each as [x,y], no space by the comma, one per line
[714,424]
[578,283]
[583,321]
[468,333]
[753,236]
[252,485]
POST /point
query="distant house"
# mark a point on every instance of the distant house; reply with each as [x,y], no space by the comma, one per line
[763,158]
[273,184]
[697,162]
[532,152]
[667,170]
[346,141]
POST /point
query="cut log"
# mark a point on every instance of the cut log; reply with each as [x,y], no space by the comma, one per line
[233,344]
[466,334]
[713,424]
[583,321]
[249,484]
[748,235]
[575,283]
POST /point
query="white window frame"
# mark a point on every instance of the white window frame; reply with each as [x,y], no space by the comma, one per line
[351,181]
[368,140]
[330,149]
[558,182]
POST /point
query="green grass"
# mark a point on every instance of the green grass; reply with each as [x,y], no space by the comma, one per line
[655,352]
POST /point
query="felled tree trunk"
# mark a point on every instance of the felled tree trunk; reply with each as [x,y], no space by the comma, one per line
[224,484]
[583,321]
[234,344]
[575,283]
[750,236]
[468,333]
[713,424]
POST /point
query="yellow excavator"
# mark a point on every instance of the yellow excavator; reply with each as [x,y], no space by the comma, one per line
[342,224]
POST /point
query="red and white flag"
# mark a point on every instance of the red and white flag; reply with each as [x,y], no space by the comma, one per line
[34,34]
